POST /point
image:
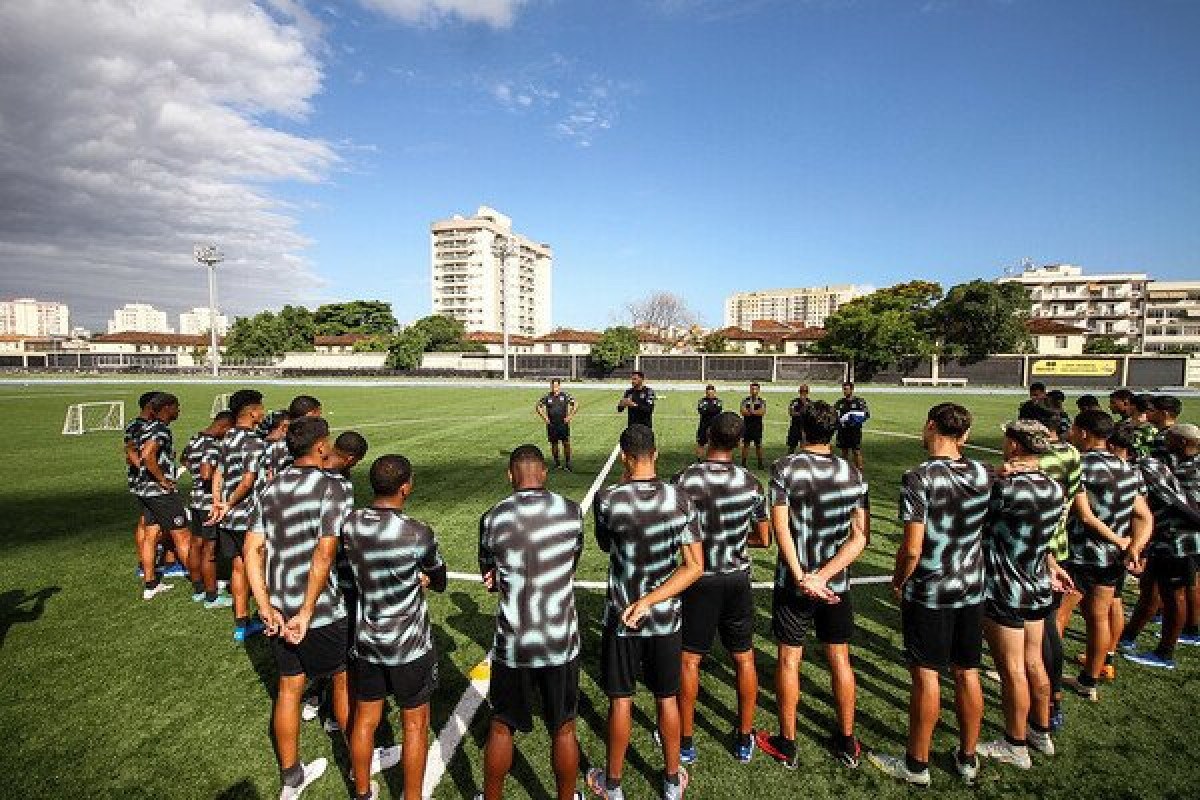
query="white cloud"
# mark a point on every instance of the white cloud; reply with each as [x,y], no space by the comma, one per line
[496,13]
[130,131]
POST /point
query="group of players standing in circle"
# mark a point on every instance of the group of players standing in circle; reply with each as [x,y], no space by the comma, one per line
[997,552]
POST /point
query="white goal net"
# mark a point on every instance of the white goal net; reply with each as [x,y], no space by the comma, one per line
[87,417]
[220,403]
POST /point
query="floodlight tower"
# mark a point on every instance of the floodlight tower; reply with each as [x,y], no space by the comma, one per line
[504,248]
[209,255]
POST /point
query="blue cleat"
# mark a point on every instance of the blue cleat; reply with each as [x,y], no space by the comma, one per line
[243,632]
[743,751]
[1150,660]
[1191,639]
[1127,646]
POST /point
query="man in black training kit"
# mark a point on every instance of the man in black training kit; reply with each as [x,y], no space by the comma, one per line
[557,409]
[163,508]
[852,415]
[529,546]
[202,456]
[733,515]
[392,558]
[754,408]
[708,408]
[639,401]
[290,545]
[796,408]
[820,510]
[133,465]
[647,527]
[1037,396]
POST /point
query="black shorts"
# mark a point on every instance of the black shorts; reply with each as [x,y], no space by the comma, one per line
[1087,576]
[321,652]
[849,438]
[793,614]
[558,432]
[164,510]
[936,638]
[201,531]
[1172,573]
[795,436]
[231,542]
[411,684]
[719,603]
[1010,617]
[655,659]
[753,432]
[514,688]
[702,434]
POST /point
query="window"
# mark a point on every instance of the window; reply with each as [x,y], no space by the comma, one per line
[1060,342]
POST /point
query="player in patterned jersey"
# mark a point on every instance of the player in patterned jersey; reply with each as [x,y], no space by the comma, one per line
[819,508]
[753,409]
[796,408]
[557,409]
[708,408]
[276,457]
[1164,410]
[236,487]
[1110,525]
[638,400]
[392,557]
[1120,402]
[733,515]
[201,456]
[529,546]
[651,532]
[1024,512]
[939,578]
[1144,432]
[156,490]
[133,465]
[852,414]
[291,539]
[1057,399]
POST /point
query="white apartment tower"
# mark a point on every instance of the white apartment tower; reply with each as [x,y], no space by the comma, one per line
[1112,304]
[139,317]
[198,320]
[24,316]
[807,307]
[468,275]
[1172,317]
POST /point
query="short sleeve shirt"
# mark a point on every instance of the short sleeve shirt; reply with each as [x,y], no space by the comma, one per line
[844,405]
[821,493]
[951,498]
[387,551]
[301,506]
[1112,485]
[1062,463]
[795,408]
[532,540]
[1175,508]
[557,406]
[708,408]
[276,457]
[753,404]
[201,449]
[643,525]
[728,501]
[642,410]
[159,433]
[132,437]
[242,453]
[1023,515]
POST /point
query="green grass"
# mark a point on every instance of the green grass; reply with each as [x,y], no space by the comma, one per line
[102,695]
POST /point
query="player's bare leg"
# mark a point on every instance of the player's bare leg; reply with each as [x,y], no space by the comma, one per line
[567,453]
[668,728]
[787,688]
[497,759]
[758,450]
[565,760]
[367,714]
[620,720]
[554,452]
[844,687]
[415,747]
[689,690]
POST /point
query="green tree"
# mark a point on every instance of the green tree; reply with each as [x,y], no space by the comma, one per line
[715,342]
[378,343]
[356,316]
[980,318]
[269,335]
[882,329]
[615,346]
[442,334]
[406,349]
[1105,345]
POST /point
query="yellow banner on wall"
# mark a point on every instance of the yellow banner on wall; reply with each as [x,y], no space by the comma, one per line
[1076,367]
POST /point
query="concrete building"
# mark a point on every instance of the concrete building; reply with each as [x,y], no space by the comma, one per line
[566,341]
[197,321]
[25,316]
[1052,338]
[807,307]
[139,317]
[1104,305]
[468,276]
[1172,311]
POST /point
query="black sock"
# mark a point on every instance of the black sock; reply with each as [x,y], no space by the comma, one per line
[293,776]
[914,765]
[785,746]
[1087,681]
[686,742]
[242,622]
[844,740]
[152,584]
[611,783]
[1191,630]
[1015,742]
[197,586]
[743,739]
[964,759]
[1038,728]
[672,779]
[1108,659]
[1169,655]
[210,596]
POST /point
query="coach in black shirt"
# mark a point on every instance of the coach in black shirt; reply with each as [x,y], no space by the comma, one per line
[639,399]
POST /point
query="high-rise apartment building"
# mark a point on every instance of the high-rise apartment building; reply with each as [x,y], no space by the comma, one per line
[24,316]
[807,307]
[1172,317]
[198,321]
[1105,305]
[469,274]
[139,317]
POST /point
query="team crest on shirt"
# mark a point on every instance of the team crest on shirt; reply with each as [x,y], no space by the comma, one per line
[179,521]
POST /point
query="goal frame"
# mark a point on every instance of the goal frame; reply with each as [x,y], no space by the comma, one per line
[113,420]
[220,403]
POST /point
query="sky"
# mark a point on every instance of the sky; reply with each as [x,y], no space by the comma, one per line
[699,147]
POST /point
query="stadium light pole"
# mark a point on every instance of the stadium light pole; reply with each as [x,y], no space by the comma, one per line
[209,255]
[503,248]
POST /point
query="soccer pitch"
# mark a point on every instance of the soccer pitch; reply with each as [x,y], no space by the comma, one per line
[104,695]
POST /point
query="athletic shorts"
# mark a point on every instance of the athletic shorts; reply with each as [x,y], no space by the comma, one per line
[411,684]
[794,614]
[719,604]
[164,510]
[201,531]
[936,638]
[513,691]
[1172,573]
[1015,618]
[558,432]
[1087,576]
[321,652]
[754,431]
[702,434]
[795,437]
[654,659]
[849,438]
[231,542]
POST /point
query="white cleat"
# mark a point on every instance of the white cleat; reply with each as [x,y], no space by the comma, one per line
[310,708]
[312,771]
[150,594]
[1005,752]
[1041,742]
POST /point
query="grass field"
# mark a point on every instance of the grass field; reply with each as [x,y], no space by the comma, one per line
[102,695]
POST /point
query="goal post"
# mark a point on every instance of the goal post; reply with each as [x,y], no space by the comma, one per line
[220,403]
[108,415]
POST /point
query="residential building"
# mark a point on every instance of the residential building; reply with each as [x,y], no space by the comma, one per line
[565,341]
[807,307]
[1053,338]
[198,320]
[769,336]
[494,342]
[25,316]
[469,275]
[1110,305]
[139,317]
[341,343]
[1172,317]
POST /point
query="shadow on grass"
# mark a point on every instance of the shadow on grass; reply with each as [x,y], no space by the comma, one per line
[17,606]
[242,790]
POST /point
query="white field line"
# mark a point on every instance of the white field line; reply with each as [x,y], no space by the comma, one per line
[586,505]
[443,748]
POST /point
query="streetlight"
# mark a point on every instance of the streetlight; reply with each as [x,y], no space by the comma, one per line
[504,248]
[209,255]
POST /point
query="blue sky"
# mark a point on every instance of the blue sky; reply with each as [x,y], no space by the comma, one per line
[706,147]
